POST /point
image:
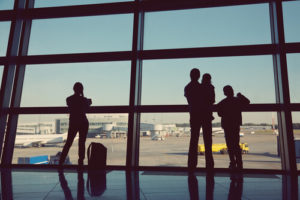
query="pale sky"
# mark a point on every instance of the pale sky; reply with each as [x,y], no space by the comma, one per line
[107,83]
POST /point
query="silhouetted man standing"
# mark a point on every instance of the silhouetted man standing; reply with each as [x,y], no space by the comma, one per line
[200,101]
[230,110]
[78,122]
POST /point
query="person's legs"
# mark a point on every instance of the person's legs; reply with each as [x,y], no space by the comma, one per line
[193,149]
[237,148]
[230,147]
[83,130]
[71,135]
[207,137]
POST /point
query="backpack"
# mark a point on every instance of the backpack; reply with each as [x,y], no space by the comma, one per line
[96,154]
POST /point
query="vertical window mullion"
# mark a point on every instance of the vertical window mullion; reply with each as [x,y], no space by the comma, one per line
[135,90]
[17,90]
[10,68]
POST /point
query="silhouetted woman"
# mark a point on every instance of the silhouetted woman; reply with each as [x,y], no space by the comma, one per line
[78,122]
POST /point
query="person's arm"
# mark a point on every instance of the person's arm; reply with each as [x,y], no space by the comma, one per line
[244,100]
[220,109]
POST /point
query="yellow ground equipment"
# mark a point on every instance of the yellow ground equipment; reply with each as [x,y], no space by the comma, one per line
[222,148]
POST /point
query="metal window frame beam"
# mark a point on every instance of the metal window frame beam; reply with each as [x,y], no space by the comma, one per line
[17,90]
[10,70]
[201,52]
[132,154]
[121,8]
[285,127]
[143,109]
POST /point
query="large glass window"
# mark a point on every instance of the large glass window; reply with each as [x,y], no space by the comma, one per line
[293,62]
[55,3]
[164,80]
[6,5]
[165,137]
[205,27]
[81,34]
[291,18]
[48,133]
[4,34]
[106,83]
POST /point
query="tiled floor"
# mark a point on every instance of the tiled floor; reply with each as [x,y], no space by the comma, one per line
[68,184]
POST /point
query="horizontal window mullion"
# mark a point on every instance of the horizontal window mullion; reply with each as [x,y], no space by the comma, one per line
[119,8]
[292,47]
[142,109]
[70,11]
[64,110]
[245,50]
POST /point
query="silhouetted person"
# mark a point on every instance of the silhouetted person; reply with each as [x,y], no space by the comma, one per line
[230,111]
[78,122]
[200,101]
[236,188]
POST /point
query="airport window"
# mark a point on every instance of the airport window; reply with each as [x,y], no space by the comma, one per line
[291,23]
[105,42]
[47,133]
[293,62]
[50,3]
[4,34]
[81,34]
[170,134]
[207,27]
[164,80]
[6,5]
[106,83]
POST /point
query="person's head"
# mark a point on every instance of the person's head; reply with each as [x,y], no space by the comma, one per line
[206,78]
[195,74]
[228,91]
[78,88]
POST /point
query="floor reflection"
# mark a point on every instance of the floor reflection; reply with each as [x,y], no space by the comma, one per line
[132,185]
[95,184]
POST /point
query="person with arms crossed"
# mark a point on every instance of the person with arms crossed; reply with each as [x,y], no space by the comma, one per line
[230,111]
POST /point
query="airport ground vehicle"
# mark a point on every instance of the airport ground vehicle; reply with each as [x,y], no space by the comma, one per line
[222,148]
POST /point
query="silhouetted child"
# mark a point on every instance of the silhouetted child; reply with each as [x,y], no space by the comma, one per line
[78,122]
[230,110]
[206,83]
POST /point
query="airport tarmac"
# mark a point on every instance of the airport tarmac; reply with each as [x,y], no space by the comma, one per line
[172,151]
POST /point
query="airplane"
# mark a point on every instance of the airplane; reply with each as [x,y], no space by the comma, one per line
[215,130]
[36,140]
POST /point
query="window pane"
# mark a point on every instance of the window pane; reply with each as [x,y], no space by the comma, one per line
[293,61]
[108,129]
[221,26]
[169,133]
[4,35]
[81,34]
[55,3]
[106,83]
[296,127]
[291,18]
[6,5]
[164,80]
